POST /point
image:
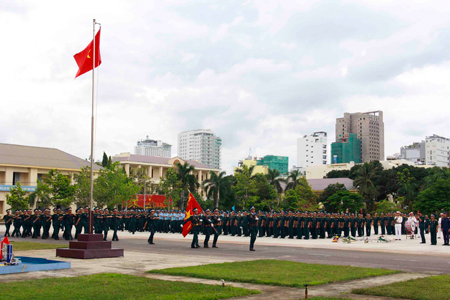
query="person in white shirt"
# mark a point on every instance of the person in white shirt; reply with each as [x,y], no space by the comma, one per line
[413,221]
[398,226]
[439,227]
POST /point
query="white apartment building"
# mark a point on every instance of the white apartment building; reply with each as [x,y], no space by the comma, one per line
[437,151]
[434,151]
[201,145]
[153,148]
[312,151]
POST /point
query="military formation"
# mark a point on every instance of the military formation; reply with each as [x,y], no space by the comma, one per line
[283,224]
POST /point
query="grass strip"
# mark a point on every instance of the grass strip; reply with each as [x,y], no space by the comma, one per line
[116,286]
[276,272]
[428,288]
[25,246]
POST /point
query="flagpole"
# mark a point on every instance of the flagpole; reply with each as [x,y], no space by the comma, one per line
[91,213]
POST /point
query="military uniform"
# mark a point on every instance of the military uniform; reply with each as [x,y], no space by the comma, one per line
[195,223]
[433,228]
[252,220]
[8,219]
[216,223]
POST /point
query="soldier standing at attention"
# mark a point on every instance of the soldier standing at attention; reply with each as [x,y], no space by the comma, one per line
[78,226]
[16,223]
[383,224]
[276,225]
[346,225]
[375,223]
[8,221]
[433,228]
[421,227]
[106,223]
[252,220]
[368,225]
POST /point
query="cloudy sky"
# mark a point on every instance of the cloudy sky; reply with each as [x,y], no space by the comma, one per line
[259,73]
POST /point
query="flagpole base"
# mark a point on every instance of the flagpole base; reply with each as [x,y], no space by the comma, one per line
[89,246]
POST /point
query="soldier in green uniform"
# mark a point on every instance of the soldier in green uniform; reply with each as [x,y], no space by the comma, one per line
[322,223]
[433,228]
[85,219]
[421,220]
[260,224]
[360,226]
[8,219]
[382,224]
[368,224]
[68,220]
[346,226]
[17,219]
[252,220]
[376,221]
[115,220]
[26,223]
[46,221]
[301,226]
[78,226]
[195,223]
[276,225]
[57,218]
[106,222]
[150,225]
[244,226]
[354,225]
[427,223]
[290,223]
[216,225]
[308,225]
[206,221]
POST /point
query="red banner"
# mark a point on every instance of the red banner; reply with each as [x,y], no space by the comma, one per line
[151,201]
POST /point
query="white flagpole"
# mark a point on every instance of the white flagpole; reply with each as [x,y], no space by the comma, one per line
[91,213]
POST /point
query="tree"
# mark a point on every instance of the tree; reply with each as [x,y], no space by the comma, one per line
[338,174]
[344,200]
[365,182]
[113,187]
[170,187]
[273,177]
[243,187]
[293,179]
[435,198]
[187,179]
[308,198]
[265,193]
[330,190]
[216,187]
[385,206]
[55,189]
[17,197]
[105,161]
[82,192]
[291,200]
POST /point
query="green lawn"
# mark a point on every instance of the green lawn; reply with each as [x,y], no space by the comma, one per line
[23,246]
[429,288]
[115,286]
[276,272]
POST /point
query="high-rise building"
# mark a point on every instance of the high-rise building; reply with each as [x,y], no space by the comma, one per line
[434,151]
[153,148]
[280,163]
[200,145]
[369,129]
[347,149]
[312,150]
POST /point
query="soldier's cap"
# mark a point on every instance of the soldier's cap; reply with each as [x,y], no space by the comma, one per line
[216,209]
[8,210]
[207,210]
[35,210]
[195,209]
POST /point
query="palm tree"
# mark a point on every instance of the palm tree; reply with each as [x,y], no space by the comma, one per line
[246,169]
[217,186]
[292,179]
[187,179]
[365,182]
[273,177]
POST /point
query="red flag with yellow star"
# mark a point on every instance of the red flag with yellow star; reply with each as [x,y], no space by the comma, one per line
[192,203]
[85,58]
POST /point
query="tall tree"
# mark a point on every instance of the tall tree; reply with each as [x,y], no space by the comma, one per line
[105,160]
[365,182]
[435,198]
[187,179]
[344,200]
[169,186]
[55,189]
[17,198]
[243,188]
[293,179]
[331,190]
[83,186]
[274,179]
[216,187]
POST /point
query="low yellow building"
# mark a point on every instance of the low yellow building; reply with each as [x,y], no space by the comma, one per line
[261,169]
[27,165]
[156,167]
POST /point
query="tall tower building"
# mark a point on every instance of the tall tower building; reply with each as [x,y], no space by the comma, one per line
[312,150]
[369,129]
[153,148]
[201,145]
